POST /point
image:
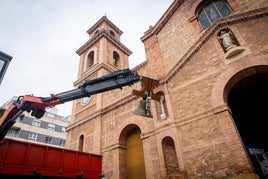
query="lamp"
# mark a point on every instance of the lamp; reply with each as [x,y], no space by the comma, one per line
[4,62]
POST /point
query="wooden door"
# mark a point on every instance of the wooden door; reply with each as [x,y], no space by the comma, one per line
[135,158]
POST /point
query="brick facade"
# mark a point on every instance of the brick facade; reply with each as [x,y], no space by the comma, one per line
[195,77]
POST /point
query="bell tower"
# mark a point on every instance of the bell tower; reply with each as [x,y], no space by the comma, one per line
[102,54]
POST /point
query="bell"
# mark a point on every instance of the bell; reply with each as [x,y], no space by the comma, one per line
[142,111]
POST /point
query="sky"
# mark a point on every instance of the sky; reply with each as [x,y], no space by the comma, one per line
[43,35]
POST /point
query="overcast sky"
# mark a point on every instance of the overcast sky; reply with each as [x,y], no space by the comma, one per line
[43,35]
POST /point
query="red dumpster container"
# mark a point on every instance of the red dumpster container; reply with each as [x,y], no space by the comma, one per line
[24,159]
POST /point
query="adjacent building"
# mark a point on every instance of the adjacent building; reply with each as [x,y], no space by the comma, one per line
[48,130]
[211,60]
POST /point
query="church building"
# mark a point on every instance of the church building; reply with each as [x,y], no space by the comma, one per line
[210,59]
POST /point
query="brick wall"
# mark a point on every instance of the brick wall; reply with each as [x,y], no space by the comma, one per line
[195,78]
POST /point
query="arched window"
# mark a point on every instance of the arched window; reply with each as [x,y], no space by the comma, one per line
[81,143]
[170,156]
[116,58]
[211,10]
[97,31]
[90,58]
[112,33]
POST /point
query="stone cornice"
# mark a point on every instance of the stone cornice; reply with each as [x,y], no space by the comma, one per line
[94,69]
[82,121]
[162,21]
[104,19]
[105,110]
[205,114]
[111,147]
[141,65]
[100,34]
[119,103]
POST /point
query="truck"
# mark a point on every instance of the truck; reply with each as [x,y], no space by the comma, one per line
[29,160]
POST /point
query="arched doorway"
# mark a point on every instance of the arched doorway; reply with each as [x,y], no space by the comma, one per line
[248,100]
[135,155]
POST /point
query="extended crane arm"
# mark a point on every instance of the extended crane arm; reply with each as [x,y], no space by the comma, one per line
[37,105]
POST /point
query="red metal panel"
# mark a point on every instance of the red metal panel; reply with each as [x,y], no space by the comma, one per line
[69,159]
[53,157]
[35,155]
[23,158]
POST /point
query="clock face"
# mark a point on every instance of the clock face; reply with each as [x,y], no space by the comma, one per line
[85,100]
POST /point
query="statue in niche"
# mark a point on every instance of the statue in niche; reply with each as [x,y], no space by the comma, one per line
[228,39]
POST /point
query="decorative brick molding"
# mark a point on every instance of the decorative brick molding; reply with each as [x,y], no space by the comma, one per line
[235,73]
[161,23]
[209,32]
